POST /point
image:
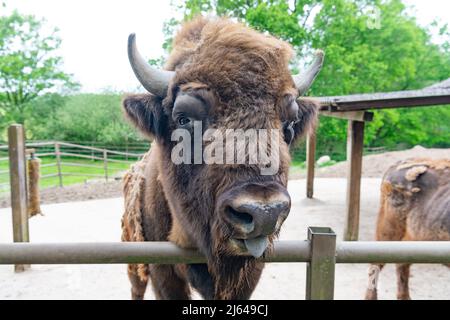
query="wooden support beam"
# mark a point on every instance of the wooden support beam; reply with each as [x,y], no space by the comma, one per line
[105,163]
[350,115]
[18,181]
[386,100]
[58,163]
[355,144]
[310,163]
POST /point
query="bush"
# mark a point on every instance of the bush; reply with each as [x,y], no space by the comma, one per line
[81,117]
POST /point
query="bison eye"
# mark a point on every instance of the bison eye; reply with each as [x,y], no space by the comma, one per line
[182,121]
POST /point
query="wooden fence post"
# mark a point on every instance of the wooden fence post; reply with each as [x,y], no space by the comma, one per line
[58,163]
[310,163]
[18,181]
[355,145]
[105,163]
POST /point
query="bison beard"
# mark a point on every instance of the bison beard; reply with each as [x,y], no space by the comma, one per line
[223,277]
[228,77]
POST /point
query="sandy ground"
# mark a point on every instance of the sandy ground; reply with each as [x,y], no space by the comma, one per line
[78,192]
[374,166]
[99,220]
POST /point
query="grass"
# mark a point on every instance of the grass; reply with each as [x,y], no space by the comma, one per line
[113,169]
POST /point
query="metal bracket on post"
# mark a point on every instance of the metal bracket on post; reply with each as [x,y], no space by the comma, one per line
[320,269]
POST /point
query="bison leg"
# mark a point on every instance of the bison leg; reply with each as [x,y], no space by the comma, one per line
[403,282]
[138,286]
[200,279]
[374,273]
[391,226]
[168,284]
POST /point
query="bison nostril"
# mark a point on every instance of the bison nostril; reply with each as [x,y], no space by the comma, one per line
[239,217]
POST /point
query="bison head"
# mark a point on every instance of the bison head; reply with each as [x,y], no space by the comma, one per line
[224,80]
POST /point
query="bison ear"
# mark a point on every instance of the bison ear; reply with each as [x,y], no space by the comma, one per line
[308,110]
[145,111]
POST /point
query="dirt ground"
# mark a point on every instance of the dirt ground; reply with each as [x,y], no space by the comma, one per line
[99,220]
[77,192]
[374,166]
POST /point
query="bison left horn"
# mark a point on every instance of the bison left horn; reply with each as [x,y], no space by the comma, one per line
[153,80]
[304,80]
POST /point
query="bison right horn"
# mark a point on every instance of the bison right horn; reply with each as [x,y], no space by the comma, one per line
[153,80]
[305,80]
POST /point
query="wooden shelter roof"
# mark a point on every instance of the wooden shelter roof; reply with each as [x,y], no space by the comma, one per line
[437,94]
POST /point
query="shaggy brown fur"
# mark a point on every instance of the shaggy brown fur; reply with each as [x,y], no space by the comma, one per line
[243,78]
[34,203]
[132,231]
[415,206]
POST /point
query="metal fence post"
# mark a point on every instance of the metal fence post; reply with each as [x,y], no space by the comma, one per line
[18,181]
[320,270]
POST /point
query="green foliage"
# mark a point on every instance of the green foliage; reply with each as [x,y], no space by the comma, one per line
[81,117]
[28,65]
[370,45]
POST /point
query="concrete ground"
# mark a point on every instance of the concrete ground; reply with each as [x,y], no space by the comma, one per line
[99,220]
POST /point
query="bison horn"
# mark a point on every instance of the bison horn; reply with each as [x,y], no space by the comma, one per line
[153,80]
[304,80]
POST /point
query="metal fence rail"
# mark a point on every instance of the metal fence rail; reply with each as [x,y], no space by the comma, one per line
[320,252]
[393,252]
[168,253]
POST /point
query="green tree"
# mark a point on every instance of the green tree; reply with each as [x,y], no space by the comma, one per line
[362,55]
[83,117]
[29,65]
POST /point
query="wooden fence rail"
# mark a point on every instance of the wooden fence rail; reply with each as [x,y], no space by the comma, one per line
[61,150]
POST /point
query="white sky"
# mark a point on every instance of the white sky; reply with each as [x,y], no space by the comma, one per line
[94,33]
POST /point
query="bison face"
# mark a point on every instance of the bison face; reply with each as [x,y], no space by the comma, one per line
[224,135]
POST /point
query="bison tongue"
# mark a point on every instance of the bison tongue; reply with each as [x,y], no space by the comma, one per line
[257,246]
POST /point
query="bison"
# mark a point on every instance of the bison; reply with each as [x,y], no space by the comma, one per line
[415,206]
[223,76]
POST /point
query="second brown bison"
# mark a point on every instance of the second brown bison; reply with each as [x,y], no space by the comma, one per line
[415,206]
